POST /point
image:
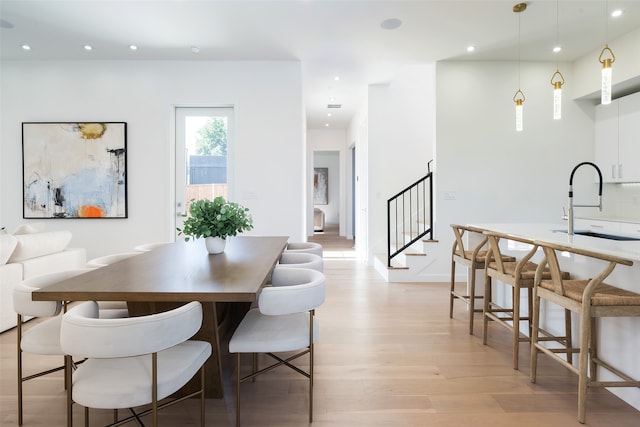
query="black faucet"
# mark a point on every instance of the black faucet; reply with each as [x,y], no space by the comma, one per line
[571,205]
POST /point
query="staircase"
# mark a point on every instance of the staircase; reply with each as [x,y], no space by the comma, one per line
[409,233]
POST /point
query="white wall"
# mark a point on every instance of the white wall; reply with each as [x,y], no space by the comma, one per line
[401,131]
[268,171]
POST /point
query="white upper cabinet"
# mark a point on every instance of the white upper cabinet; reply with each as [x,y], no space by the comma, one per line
[606,137]
[617,139]
[629,138]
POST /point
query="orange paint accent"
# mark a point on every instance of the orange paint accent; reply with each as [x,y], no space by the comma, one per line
[91,212]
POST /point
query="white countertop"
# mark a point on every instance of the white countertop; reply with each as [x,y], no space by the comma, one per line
[548,232]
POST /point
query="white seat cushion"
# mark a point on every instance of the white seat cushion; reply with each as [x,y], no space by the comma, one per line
[260,333]
[126,382]
[43,338]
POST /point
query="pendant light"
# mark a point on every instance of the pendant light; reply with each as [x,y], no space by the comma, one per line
[606,58]
[519,98]
[557,79]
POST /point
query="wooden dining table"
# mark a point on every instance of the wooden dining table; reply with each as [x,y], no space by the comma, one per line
[171,275]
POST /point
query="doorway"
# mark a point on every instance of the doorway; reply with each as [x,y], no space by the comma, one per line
[204,144]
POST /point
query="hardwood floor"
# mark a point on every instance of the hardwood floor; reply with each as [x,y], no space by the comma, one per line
[388,355]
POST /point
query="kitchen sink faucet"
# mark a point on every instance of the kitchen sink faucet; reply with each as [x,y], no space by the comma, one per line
[571,205]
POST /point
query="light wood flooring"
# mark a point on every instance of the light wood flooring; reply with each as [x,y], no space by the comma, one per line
[388,355]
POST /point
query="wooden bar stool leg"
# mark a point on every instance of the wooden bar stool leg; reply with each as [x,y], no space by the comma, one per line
[487,308]
[533,364]
[453,286]
[472,298]
[585,335]
[568,334]
[515,293]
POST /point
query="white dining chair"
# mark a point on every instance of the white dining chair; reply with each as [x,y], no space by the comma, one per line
[146,247]
[284,321]
[133,361]
[105,260]
[300,260]
[42,337]
[307,247]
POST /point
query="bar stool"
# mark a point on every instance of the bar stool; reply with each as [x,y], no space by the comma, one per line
[591,299]
[473,260]
[517,275]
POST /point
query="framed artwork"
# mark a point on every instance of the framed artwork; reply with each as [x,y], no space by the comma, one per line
[320,186]
[74,170]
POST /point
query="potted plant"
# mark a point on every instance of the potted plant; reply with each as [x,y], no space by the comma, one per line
[215,220]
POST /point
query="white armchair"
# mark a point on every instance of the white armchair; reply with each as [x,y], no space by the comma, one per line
[300,260]
[284,321]
[42,338]
[152,356]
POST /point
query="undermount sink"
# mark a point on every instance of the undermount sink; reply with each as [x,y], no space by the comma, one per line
[600,235]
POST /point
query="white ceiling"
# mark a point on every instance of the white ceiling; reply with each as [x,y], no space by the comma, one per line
[329,37]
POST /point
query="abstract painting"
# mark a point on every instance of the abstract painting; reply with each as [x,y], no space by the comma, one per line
[74,170]
[320,186]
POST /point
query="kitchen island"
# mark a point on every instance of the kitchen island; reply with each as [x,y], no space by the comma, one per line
[619,338]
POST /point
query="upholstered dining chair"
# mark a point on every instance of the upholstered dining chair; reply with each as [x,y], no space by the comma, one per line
[308,247]
[133,361]
[146,247]
[283,322]
[593,300]
[474,260]
[104,261]
[300,260]
[41,337]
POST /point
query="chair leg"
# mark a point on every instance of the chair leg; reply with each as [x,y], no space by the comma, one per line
[585,334]
[472,297]
[533,367]
[593,352]
[311,382]
[568,334]
[515,304]
[68,372]
[19,359]
[237,389]
[202,382]
[487,308]
[453,286]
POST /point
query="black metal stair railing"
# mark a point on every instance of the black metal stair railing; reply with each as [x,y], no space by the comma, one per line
[410,215]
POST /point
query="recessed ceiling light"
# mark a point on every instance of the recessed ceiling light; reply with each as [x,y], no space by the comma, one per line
[87,47]
[336,78]
[326,125]
[616,13]
[133,47]
[557,49]
[195,49]
[26,47]
[328,114]
[391,23]
[471,48]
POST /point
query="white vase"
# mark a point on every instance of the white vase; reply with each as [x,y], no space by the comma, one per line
[215,245]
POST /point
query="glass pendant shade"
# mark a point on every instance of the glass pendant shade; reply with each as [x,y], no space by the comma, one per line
[606,82]
[518,98]
[557,80]
[606,74]
[519,116]
[557,101]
